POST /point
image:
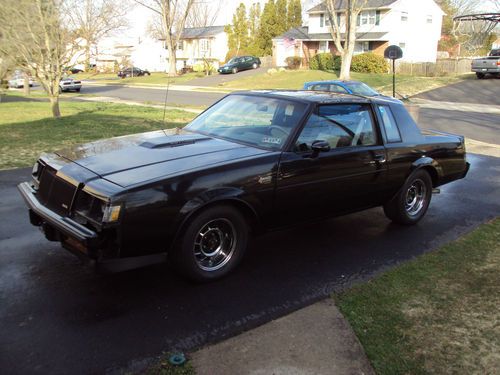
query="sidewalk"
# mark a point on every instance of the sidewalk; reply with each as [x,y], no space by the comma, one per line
[316,340]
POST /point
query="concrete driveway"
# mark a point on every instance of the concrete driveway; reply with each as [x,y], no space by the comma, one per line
[476,91]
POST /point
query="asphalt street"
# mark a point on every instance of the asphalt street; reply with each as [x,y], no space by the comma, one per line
[57,316]
[174,97]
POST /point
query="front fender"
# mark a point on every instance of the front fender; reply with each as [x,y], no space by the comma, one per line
[229,195]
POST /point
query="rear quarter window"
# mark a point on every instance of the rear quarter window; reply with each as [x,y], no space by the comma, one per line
[389,123]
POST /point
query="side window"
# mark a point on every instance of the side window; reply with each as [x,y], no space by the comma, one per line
[390,126]
[341,125]
[338,89]
[320,88]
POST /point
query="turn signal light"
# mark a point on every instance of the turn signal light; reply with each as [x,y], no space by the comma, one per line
[111,214]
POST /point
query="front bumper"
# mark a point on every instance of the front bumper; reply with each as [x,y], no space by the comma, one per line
[64,225]
[77,238]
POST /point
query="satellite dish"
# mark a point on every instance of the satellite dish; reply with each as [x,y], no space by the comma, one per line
[393,52]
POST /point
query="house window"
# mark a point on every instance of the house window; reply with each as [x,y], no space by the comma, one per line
[429,18]
[362,47]
[404,16]
[368,17]
[180,46]
[323,46]
[205,45]
[324,20]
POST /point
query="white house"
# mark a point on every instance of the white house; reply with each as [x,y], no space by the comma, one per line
[201,44]
[413,25]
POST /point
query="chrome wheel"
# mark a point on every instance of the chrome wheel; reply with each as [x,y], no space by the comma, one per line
[214,244]
[415,197]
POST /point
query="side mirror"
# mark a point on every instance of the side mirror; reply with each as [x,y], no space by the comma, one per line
[320,146]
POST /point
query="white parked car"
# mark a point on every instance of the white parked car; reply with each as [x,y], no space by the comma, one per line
[17,81]
[70,84]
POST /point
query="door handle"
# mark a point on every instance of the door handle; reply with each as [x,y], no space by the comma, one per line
[377,159]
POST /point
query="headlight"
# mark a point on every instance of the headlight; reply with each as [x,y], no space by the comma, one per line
[92,207]
[111,213]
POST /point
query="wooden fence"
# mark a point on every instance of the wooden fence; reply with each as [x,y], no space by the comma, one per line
[439,68]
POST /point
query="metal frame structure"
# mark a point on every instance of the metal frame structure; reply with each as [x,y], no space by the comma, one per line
[491,17]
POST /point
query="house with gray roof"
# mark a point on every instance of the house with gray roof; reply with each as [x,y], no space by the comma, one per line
[200,44]
[415,26]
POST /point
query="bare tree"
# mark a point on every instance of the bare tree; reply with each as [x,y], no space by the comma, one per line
[169,22]
[204,13]
[43,45]
[93,20]
[351,10]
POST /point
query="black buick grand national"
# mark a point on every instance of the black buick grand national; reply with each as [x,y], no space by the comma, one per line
[254,161]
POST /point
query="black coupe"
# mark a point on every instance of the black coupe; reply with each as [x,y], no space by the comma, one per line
[253,161]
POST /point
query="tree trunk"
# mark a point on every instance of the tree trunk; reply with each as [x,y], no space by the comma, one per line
[87,57]
[26,85]
[54,105]
[172,63]
[345,68]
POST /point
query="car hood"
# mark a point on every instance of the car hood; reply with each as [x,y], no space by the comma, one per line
[139,158]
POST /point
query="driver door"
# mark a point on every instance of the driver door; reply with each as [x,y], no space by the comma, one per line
[348,177]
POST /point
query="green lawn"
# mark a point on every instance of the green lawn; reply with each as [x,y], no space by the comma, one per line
[27,128]
[294,79]
[153,79]
[438,314]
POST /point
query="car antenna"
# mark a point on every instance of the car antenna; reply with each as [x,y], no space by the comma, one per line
[165,105]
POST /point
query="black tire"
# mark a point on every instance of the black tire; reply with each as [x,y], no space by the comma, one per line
[235,70]
[77,90]
[480,75]
[410,204]
[199,252]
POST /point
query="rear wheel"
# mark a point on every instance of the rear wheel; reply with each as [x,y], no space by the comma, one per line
[410,204]
[480,75]
[212,244]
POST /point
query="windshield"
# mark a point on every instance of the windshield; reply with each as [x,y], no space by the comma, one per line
[257,121]
[359,88]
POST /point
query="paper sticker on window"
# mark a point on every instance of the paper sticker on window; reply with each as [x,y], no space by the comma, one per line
[272,140]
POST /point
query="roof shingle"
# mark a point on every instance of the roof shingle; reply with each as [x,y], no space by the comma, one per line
[341,4]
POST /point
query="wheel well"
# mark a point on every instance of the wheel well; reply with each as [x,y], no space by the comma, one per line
[433,173]
[248,214]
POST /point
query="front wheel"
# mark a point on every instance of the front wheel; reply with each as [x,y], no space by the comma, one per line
[255,66]
[212,244]
[235,70]
[410,204]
